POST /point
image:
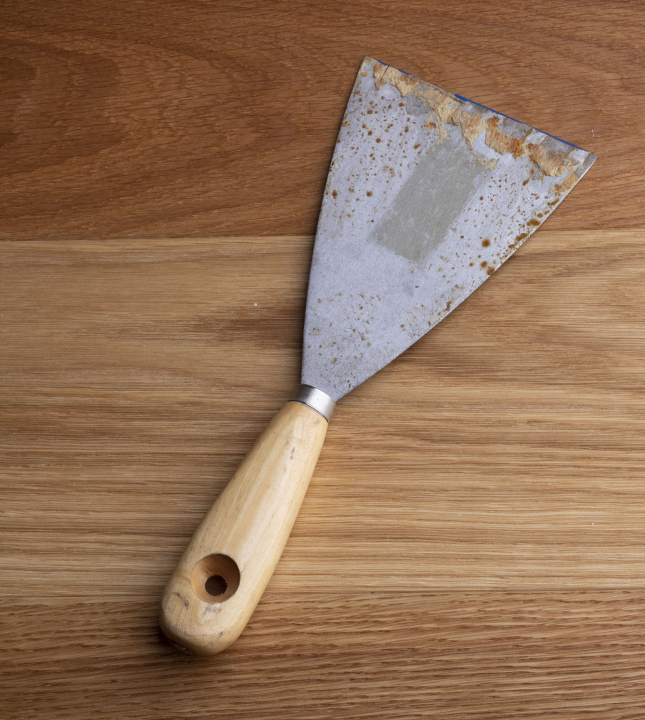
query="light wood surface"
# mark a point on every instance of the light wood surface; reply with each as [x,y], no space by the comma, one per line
[473,538]
[171,118]
[240,540]
[455,655]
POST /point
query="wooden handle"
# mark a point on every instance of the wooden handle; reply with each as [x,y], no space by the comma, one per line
[232,555]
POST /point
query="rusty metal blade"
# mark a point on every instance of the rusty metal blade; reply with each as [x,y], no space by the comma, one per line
[428,193]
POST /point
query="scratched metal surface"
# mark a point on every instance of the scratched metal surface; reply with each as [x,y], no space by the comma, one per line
[427,195]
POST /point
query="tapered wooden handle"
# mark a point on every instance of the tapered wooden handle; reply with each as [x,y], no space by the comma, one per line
[232,555]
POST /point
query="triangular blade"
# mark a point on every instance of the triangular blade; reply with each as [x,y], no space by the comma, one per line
[428,193]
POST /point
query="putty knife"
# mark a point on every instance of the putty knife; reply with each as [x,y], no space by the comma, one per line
[428,193]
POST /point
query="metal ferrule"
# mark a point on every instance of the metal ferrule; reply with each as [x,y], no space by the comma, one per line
[315,399]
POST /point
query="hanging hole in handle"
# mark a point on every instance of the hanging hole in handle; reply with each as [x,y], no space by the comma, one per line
[216,585]
[215,578]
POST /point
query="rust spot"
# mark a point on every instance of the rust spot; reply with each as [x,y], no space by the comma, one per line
[566,184]
[369,112]
[378,139]
[346,124]
[533,222]
[334,193]
[526,182]
[490,270]
[485,242]
[500,141]
[483,263]
[407,129]
[369,193]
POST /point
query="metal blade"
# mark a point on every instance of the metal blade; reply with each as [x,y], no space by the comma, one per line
[428,193]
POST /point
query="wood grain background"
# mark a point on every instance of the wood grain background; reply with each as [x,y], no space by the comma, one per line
[473,542]
[165,119]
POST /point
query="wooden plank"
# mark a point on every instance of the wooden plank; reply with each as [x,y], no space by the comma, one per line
[481,656]
[504,450]
[154,119]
